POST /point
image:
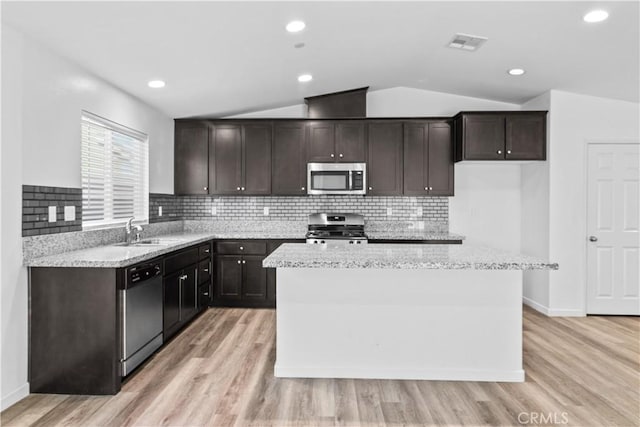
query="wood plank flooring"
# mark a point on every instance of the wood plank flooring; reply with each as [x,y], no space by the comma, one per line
[219,372]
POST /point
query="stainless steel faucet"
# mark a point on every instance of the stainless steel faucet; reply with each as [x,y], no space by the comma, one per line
[128,234]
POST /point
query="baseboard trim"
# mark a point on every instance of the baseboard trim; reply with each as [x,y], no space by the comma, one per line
[382,373]
[553,312]
[14,397]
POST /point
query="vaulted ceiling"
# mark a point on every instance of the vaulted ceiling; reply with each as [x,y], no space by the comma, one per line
[219,58]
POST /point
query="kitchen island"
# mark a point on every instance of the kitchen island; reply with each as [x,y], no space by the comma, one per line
[433,312]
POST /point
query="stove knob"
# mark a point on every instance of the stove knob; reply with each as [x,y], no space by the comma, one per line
[351,242]
[359,242]
[315,242]
[321,241]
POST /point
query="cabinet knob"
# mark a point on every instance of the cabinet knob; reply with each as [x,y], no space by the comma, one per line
[508,151]
[206,251]
[426,188]
[341,156]
[238,188]
[242,188]
[430,188]
[499,151]
[593,239]
[206,294]
[244,262]
[302,188]
[206,270]
[242,248]
[370,188]
[333,155]
[205,188]
[239,261]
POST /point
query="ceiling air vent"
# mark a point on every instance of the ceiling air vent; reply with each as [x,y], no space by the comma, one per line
[467,42]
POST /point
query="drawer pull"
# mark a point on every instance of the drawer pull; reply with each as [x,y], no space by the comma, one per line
[206,270]
[206,251]
[206,294]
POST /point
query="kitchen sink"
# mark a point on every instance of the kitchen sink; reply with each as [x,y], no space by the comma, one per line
[150,242]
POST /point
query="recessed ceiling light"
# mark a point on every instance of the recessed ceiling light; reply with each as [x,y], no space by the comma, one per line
[596,16]
[156,84]
[295,26]
[516,71]
[305,78]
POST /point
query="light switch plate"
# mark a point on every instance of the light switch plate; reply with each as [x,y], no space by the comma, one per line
[53,212]
[159,210]
[69,213]
[389,211]
[266,210]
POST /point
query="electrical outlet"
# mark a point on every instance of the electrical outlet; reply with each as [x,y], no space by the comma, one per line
[266,210]
[214,211]
[389,211]
[420,225]
[419,211]
[53,212]
[69,213]
[159,210]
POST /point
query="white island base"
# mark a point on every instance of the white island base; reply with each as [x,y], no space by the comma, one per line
[427,324]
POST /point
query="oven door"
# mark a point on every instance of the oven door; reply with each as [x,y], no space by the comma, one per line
[332,178]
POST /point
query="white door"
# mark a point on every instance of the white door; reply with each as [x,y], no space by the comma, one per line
[613,240]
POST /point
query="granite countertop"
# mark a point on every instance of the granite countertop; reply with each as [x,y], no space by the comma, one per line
[114,256]
[402,256]
[413,234]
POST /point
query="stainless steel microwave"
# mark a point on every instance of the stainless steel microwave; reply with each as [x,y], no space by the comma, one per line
[336,178]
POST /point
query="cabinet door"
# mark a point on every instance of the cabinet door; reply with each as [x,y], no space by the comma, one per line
[350,142]
[526,137]
[321,142]
[225,164]
[483,137]
[256,155]
[228,283]
[189,294]
[254,286]
[440,166]
[416,138]
[171,305]
[191,159]
[384,166]
[289,172]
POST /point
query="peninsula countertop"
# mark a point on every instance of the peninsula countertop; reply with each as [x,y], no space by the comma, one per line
[402,256]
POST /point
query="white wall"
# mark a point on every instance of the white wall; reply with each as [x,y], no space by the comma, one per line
[534,220]
[42,99]
[486,206]
[575,120]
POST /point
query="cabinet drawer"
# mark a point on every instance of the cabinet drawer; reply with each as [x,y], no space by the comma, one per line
[204,296]
[204,272]
[204,251]
[180,260]
[241,247]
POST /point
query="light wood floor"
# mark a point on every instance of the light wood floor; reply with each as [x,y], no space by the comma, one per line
[219,372]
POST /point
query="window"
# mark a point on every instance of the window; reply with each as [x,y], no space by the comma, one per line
[115,173]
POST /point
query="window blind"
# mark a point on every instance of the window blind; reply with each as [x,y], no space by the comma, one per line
[115,173]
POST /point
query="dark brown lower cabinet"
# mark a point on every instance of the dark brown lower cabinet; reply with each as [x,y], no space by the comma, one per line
[180,300]
[228,283]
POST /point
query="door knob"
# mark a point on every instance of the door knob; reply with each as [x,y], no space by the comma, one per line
[593,239]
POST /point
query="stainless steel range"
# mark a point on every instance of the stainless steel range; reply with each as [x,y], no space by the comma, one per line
[336,228]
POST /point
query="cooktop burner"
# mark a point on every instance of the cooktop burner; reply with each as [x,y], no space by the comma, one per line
[338,228]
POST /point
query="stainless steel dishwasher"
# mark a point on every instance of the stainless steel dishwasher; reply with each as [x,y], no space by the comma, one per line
[140,314]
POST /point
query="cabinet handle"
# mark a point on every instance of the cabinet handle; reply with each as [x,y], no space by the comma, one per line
[332,155]
[341,156]
[183,277]
[238,188]
[499,151]
[206,270]
[239,261]
[206,251]
[302,188]
[242,188]
[206,294]
[244,262]
[508,151]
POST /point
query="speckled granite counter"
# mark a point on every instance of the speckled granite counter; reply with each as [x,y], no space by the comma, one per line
[402,256]
[412,235]
[113,256]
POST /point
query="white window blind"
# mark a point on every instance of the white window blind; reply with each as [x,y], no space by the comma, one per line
[115,173]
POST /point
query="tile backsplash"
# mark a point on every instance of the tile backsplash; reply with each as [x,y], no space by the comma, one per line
[36,202]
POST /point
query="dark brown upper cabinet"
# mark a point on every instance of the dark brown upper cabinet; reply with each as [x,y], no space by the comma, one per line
[515,135]
[336,141]
[428,159]
[240,159]
[191,157]
[384,160]
[289,171]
